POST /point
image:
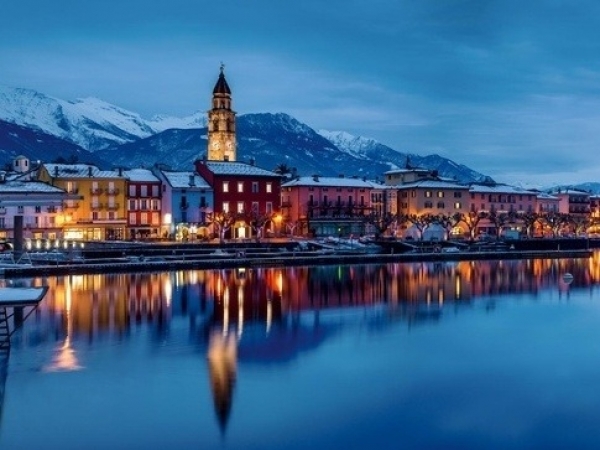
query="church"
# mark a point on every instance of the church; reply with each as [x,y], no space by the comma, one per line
[246,197]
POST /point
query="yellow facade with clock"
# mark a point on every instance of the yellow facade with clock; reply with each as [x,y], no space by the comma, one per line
[221,124]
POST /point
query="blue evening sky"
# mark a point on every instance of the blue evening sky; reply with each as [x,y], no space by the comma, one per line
[510,88]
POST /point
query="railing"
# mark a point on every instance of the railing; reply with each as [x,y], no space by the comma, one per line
[71,206]
[52,209]
[96,191]
[112,191]
[112,207]
[73,191]
[96,206]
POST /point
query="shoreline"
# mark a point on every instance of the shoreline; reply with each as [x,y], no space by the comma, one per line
[210,261]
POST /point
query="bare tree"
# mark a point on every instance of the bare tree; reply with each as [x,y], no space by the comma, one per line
[471,220]
[221,222]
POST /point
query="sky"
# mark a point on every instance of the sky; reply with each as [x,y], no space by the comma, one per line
[510,88]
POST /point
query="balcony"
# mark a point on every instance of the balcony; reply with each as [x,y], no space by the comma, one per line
[95,191]
[112,191]
[74,205]
[112,206]
[52,209]
[97,206]
[73,191]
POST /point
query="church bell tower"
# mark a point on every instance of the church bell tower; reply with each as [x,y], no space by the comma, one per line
[221,123]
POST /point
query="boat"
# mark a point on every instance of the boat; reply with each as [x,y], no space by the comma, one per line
[21,296]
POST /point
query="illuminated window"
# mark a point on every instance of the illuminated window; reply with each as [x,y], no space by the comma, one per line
[240,207]
[427,194]
[269,208]
[440,194]
[270,188]
[240,186]
[225,207]
[225,186]
[457,205]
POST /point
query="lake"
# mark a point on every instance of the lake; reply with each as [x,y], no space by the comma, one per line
[486,354]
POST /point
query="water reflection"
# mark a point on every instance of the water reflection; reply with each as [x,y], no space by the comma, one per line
[271,315]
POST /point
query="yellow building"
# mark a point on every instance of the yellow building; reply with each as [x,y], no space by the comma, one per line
[100,211]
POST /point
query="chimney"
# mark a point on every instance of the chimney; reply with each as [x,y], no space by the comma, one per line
[120,171]
[192,180]
[55,171]
[315,177]
[90,171]
[251,161]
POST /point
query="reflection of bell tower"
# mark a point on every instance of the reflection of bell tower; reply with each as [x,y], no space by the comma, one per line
[222,365]
[221,123]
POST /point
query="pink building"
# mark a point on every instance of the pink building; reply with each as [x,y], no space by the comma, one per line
[327,206]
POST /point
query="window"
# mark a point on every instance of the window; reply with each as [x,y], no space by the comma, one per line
[255,207]
[225,207]
[269,207]
[457,194]
[155,218]
[155,205]
[95,215]
[254,187]
[428,204]
[225,186]
[131,205]
[269,188]
[457,205]
[413,194]
[131,190]
[240,186]
[155,190]
[440,194]
[428,194]
[112,215]
[38,209]
[144,191]
[440,205]
[144,218]
[20,209]
[144,205]
[240,207]
[132,218]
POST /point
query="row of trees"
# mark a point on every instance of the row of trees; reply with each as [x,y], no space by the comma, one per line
[553,222]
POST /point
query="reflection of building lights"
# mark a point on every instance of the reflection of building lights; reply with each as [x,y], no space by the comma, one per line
[280,282]
[269,316]
[168,291]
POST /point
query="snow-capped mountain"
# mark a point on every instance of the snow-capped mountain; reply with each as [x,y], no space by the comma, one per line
[126,139]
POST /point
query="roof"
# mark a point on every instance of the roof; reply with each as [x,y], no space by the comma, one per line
[238,169]
[546,196]
[141,175]
[28,187]
[398,171]
[332,182]
[500,189]
[181,179]
[431,184]
[80,171]
[221,87]
[569,192]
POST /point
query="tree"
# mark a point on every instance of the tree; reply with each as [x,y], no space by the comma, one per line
[501,218]
[257,222]
[471,220]
[529,219]
[221,222]
[421,222]
[449,222]
[556,221]
[380,222]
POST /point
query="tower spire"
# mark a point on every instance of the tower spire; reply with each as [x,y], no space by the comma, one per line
[221,122]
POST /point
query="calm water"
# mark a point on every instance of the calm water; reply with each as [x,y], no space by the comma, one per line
[500,354]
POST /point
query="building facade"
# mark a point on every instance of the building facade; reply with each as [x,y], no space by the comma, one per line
[144,204]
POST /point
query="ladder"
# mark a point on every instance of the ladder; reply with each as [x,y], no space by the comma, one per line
[4,331]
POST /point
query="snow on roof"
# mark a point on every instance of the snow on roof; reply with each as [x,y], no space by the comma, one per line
[237,168]
[28,187]
[79,171]
[332,182]
[181,179]
[500,189]
[404,170]
[431,184]
[141,175]
[546,196]
[570,192]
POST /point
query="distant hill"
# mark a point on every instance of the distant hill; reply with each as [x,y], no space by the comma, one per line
[95,131]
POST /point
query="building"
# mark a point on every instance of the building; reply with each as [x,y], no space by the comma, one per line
[246,198]
[144,203]
[187,201]
[38,205]
[221,124]
[327,206]
[96,209]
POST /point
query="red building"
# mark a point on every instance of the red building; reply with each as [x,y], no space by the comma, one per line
[246,198]
[144,198]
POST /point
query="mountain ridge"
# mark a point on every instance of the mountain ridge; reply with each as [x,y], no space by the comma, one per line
[124,138]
